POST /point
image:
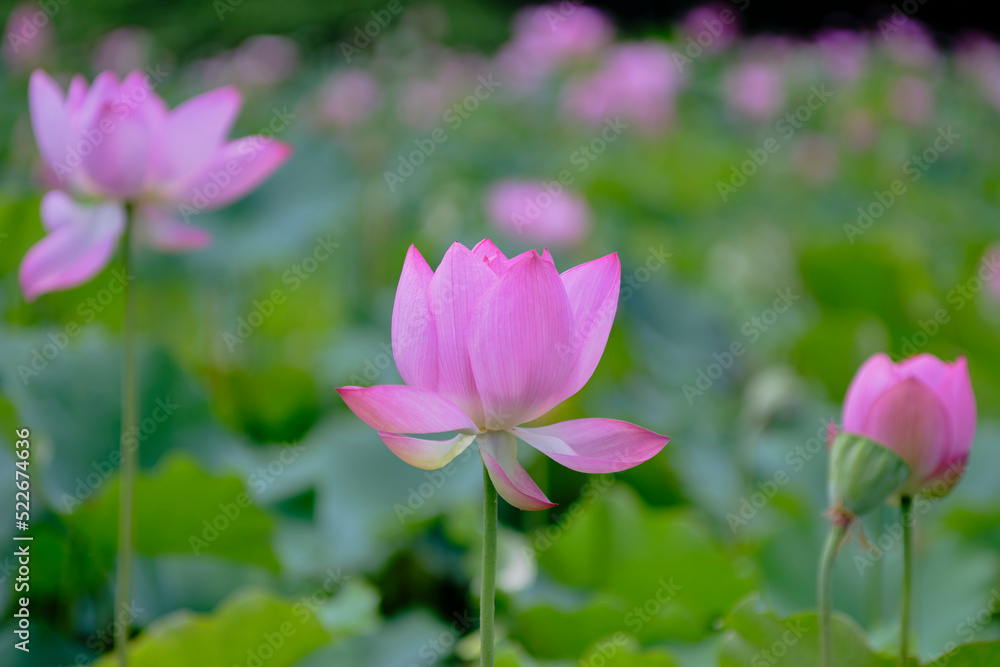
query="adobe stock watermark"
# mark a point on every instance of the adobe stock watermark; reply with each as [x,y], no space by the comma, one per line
[364,36]
[40,356]
[913,169]
[419,495]
[892,533]
[957,298]
[121,108]
[752,330]
[163,410]
[542,539]
[455,116]
[901,13]
[785,128]
[794,461]
[294,277]
[219,179]
[21,34]
[711,30]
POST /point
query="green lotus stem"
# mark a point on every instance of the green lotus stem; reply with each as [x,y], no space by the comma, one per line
[488,594]
[127,451]
[829,557]
[906,510]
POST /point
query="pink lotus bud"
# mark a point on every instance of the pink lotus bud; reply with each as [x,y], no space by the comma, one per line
[923,409]
[541,211]
[711,27]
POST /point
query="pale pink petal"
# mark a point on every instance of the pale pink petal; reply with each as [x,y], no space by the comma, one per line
[49,117]
[414,337]
[58,209]
[160,229]
[426,454]
[196,130]
[875,376]
[951,384]
[491,255]
[594,445]
[910,420]
[125,138]
[76,94]
[237,168]
[593,294]
[457,286]
[517,332]
[402,409]
[498,450]
[74,251]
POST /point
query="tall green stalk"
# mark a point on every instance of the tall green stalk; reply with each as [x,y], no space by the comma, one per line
[488,594]
[828,558]
[127,451]
[906,508]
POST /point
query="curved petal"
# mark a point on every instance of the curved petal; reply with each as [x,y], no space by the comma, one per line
[594,445]
[489,254]
[159,229]
[912,421]
[426,454]
[517,332]
[414,338]
[593,293]
[196,130]
[49,117]
[235,170]
[498,450]
[59,209]
[75,250]
[401,409]
[124,138]
[875,376]
[953,386]
[456,287]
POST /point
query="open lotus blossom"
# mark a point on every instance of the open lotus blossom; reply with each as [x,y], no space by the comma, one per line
[116,142]
[486,344]
[923,409]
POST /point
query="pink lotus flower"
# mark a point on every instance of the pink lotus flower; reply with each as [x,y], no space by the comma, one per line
[347,98]
[485,344]
[28,38]
[923,409]
[755,89]
[542,212]
[118,143]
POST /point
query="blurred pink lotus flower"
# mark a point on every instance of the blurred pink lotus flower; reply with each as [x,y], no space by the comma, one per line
[638,81]
[118,143]
[123,50]
[911,100]
[348,97]
[844,53]
[978,57]
[923,409]
[548,37]
[908,42]
[28,38]
[265,60]
[755,89]
[542,212]
[711,27]
[485,344]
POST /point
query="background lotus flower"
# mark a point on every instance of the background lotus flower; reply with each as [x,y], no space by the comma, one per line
[487,343]
[541,213]
[922,408]
[116,141]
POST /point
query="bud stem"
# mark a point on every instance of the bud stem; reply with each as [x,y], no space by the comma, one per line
[488,594]
[906,510]
[837,531]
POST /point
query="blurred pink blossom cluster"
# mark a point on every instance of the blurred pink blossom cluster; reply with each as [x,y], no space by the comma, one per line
[348,97]
[636,80]
[259,62]
[548,37]
[544,212]
[28,37]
